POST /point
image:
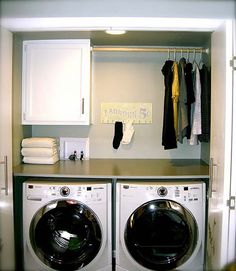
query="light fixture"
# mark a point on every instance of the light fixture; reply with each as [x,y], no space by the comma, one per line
[115,31]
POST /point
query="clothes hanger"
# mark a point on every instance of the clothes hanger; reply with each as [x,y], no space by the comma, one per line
[183,57]
[188,56]
[168,58]
[201,63]
[194,57]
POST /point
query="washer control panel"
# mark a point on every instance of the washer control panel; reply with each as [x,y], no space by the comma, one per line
[83,192]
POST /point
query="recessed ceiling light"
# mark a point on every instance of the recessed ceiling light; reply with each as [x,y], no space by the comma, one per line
[115,32]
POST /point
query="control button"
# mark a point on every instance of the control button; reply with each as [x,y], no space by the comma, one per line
[162,191]
[177,193]
[65,191]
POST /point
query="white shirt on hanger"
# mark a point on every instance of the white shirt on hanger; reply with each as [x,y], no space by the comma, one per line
[196,106]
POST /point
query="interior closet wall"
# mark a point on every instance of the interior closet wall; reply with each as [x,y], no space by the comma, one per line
[123,77]
[129,78]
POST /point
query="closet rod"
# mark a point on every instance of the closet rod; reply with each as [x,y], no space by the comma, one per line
[148,49]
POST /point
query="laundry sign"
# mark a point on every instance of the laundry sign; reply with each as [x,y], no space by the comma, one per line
[125,112]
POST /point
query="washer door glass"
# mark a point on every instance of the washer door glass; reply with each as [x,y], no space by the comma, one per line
[161,235]
[65,235]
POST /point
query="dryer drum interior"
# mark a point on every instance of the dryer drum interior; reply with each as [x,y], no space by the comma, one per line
[161,234]
[65,235]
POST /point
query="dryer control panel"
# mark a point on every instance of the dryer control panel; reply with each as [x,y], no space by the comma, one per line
[185,192]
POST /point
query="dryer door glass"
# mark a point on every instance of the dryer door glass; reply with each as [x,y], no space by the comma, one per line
[161,235]
[65,235]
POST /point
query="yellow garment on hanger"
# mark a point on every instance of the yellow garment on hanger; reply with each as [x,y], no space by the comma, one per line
[175,96]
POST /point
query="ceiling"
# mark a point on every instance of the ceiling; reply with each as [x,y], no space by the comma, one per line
[131,38]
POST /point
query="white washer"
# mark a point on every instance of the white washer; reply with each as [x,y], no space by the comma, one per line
[160,225]
[67,226]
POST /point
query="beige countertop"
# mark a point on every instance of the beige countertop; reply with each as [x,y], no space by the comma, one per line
[118,168]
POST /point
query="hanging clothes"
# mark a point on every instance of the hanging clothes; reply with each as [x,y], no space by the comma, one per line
[182,105]
[196,107]
[190,95]
[205,104]
[168,131]
[175,95]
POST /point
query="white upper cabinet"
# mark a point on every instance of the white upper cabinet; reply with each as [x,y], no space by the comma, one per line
[56,82]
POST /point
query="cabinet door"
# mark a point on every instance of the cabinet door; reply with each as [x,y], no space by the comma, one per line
[55,83]
[7,261]
[221,138]
[232,212]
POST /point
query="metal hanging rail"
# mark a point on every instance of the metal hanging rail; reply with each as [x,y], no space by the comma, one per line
[149,49]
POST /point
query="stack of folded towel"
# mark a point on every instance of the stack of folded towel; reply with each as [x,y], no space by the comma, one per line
[39,150]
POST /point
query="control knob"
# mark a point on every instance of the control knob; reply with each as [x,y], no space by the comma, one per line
[65,191]
[162,191]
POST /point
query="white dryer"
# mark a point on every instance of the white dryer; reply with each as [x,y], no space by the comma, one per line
[160,225]
[67,226]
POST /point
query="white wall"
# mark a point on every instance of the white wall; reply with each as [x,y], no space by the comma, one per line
[125,77]
[114,8]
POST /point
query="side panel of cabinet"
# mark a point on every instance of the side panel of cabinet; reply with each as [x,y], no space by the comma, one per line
[55,87]
[7,261]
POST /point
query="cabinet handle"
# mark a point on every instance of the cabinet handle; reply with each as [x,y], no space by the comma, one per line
[82,106]
[212,166]
[4,162]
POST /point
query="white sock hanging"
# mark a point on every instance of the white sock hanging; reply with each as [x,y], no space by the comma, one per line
[127,133]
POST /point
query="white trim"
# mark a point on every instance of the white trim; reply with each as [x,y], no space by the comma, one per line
[103,23]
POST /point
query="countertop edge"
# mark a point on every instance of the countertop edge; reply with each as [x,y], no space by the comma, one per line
[118,168]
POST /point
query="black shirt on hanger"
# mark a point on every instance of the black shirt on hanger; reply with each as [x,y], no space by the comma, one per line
[168,131]
[205,104]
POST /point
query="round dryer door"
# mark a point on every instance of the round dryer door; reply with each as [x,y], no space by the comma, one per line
[65,235]
[161,235]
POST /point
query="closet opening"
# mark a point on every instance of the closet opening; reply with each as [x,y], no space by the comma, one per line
[125,69]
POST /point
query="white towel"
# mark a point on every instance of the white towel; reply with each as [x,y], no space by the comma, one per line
[39,142]
[41,160]
[39,152]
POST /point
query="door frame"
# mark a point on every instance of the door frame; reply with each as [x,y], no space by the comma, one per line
[110,23]
[127,23]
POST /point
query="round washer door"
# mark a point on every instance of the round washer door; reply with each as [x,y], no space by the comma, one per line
[65,235]
[161,235]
